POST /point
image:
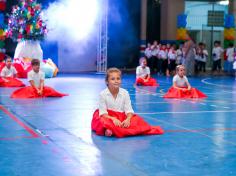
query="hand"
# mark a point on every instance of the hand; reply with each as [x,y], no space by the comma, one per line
[116,122]
[40,92]
[126,123]
[189,88]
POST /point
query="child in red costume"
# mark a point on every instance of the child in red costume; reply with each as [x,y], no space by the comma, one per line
[115,115]
[143,77]
[8,75]
[181,87]
[36,88]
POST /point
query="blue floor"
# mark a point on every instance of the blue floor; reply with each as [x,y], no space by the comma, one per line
[52,136]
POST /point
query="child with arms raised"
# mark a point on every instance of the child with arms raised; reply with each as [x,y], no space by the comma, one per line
[115,115]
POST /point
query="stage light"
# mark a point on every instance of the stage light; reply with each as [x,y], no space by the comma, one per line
[73,18]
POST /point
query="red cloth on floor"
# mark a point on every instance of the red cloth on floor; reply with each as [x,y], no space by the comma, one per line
[11,82]
[30,92]
[177,93]
[137,125]
[150,82]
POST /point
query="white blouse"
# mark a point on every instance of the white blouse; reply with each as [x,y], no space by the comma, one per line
[180,82]
[122,102]
[142,72]
[36,77]
[8,72]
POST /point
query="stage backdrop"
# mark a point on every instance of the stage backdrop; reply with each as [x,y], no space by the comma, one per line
[123,44]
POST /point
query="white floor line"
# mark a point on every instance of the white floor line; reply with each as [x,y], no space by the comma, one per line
[208,83]
[197,132]
[186,112]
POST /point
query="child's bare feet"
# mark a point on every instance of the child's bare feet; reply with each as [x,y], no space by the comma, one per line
[108,133]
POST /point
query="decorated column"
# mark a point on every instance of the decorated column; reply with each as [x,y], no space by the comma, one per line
[2,26]
[25,25]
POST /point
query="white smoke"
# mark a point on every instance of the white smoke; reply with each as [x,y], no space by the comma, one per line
[71,20]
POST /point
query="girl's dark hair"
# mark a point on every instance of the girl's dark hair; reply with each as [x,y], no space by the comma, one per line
[35,62]
[6,57]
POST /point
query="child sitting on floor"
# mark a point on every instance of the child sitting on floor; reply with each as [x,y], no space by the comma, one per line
[115,115]
[8,75]
[36,88]
[143,77]
[181,87]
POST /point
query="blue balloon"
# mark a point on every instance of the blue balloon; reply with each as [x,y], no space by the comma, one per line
[229,21]
[181,21]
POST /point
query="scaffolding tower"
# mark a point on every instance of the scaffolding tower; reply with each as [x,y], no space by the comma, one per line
[102,38]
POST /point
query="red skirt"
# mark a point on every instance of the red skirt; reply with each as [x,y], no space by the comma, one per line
[137,125]
[177,93]
[11,82]
[30,92]
[150,82]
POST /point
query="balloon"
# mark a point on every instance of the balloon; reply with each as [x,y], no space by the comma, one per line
[182,20]
[229,21]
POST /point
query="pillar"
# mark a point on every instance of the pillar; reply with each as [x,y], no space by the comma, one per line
[170,9]
[143,27]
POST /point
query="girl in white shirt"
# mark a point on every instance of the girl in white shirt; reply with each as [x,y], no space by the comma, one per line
[181,87]
[143,77]
[115,115]
[36,88]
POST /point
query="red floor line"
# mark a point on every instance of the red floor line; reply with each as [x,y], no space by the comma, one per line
[14,138]
[200,130]
[19,122]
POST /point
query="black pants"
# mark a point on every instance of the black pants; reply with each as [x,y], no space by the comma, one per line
[201,66]
[216,65]
[164,66]
[152,63]
[172,65]
[159,65]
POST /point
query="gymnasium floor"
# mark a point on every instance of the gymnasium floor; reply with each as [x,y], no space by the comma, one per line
[52,137]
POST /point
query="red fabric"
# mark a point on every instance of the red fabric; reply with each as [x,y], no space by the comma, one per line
[2,65]
[2,55]
[150,82]
[21,71]
[2,5]
[11,82]
[177,93]
[30,92]
[137,125]
[225,56]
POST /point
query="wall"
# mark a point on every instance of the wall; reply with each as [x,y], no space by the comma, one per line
[123,33]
